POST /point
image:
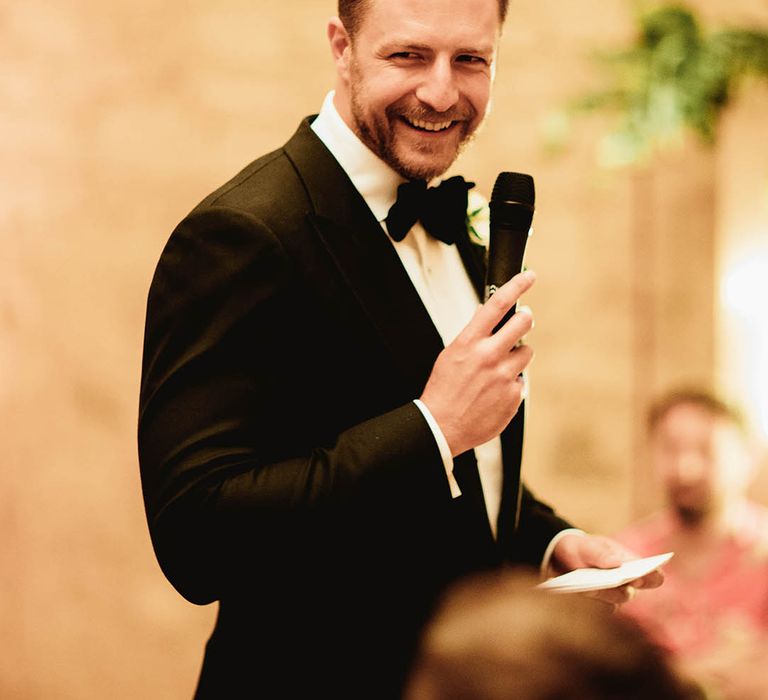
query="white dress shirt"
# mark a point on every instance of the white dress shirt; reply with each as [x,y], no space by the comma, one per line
[435,269]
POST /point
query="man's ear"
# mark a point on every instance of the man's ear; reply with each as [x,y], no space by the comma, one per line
[341,47]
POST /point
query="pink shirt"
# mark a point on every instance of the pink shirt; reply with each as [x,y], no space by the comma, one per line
[729,600]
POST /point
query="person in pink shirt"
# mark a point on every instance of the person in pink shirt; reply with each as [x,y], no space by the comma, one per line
[712,612]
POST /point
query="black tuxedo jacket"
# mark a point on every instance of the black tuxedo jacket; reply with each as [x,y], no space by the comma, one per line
[286,471]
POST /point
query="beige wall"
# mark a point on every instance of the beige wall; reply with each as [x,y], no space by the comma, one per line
[115,119]
[742,262]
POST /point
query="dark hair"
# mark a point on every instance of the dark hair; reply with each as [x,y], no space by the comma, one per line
[705,400]
[494,637]
[351,13]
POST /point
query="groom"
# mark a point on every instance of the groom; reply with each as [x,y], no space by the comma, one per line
[329,431]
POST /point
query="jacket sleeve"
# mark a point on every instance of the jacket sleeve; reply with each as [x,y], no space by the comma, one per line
[224,480]
[538,525]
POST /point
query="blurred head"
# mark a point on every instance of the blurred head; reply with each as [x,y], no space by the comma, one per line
[700,453]
[496,637]
[414,76]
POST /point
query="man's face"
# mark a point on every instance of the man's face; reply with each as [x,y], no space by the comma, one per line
[419,80]
[702,461]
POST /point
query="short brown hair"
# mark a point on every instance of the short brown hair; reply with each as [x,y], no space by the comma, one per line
[706,400]
[494,636]
[351,13]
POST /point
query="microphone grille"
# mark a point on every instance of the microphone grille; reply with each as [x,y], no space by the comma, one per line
[514,187]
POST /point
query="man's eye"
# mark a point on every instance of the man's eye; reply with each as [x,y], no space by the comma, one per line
[404,55]
[468,58]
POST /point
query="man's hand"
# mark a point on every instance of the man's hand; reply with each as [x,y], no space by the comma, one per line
[577,551]
[475,387]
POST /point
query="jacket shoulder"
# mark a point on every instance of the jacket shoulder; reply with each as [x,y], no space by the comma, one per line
[267,185]
[280,188]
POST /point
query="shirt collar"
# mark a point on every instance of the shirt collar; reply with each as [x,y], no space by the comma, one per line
[371,176]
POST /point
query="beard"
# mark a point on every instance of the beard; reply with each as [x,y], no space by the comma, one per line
[691,516]
[693,511]
[419,161]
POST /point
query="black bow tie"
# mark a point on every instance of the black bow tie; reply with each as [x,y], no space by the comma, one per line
[442,210]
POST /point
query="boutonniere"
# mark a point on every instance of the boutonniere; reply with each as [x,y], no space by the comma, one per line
[478,218]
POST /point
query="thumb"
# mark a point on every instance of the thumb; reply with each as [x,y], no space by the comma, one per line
[604,553]
[577,551]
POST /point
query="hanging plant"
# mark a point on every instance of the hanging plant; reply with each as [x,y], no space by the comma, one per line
[674,78]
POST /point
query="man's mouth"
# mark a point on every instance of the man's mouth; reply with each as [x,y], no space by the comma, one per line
[423,125]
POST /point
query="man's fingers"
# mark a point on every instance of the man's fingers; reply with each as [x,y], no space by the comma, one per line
[651,580]
[513,331]
[614,596]
[492,312]
[518,360]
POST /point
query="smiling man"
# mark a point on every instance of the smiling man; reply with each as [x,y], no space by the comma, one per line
[329,430]
[414,79]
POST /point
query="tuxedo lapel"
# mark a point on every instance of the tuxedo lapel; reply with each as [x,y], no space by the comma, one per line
[512,449]
[366,260]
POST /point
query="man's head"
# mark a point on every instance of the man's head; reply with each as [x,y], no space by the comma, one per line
[700,452]
[494,637]
[414,76]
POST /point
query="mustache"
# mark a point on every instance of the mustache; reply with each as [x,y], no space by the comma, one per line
[422,112]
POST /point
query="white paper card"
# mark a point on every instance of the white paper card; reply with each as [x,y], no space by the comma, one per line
[581,580]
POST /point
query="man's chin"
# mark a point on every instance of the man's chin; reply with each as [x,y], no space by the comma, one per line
[415,164]
[420,171]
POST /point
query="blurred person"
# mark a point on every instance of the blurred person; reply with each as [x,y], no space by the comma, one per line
[329,431]
[712,612]
[495,637]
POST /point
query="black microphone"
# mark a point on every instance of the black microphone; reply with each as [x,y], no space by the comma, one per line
[512,206]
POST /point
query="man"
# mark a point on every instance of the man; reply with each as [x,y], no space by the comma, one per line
[712,612]
[326,427]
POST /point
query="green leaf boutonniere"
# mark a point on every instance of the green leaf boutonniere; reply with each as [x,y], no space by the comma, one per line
[478,218]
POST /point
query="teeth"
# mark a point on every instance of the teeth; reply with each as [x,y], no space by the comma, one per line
[429,126]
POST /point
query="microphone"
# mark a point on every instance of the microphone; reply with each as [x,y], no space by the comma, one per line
[512,206]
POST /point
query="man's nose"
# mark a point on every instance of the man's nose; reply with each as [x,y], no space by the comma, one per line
[688,468]
[438,89]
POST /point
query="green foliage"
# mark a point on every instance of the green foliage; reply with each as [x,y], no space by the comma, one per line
[674,77]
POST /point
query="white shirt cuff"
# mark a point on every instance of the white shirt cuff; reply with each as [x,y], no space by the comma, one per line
[544,570]
[442,445]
